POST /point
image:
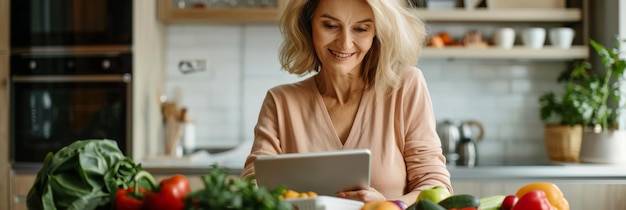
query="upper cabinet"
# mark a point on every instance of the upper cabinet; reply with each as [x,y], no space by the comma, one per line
[194,11]
[4,26]
[572,14]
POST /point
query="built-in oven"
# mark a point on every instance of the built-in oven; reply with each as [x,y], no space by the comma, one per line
[69,23]
[59,98]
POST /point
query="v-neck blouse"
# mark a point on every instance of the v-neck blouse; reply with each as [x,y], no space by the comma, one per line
[398,128]
[328,120]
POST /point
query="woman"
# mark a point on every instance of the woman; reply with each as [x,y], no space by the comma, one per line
[365,94]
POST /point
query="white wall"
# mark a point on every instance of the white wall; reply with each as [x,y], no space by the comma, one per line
[243,64]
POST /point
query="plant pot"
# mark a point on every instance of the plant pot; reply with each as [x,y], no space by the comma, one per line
[603,147]
[563,142]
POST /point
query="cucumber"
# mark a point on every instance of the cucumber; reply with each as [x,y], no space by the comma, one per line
[493,202]
[425,204]
[460,201]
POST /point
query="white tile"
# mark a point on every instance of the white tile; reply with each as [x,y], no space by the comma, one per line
[525,152]
[243,64]
[490,152]
[521,86]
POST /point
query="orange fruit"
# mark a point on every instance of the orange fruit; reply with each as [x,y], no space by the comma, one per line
[380,205]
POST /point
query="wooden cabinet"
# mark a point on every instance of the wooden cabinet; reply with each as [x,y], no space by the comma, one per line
[21,184]
[576,16]
[4,26]
[580,195]
[5,166]
[170,12]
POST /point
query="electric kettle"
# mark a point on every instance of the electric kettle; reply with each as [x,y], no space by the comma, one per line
[471,133]
[450,136]
[458,141]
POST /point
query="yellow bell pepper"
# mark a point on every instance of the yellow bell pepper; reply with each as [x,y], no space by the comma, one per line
[553,193]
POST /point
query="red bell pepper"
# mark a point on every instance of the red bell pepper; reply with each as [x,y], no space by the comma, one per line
[131,198]
[128,199]
[533,200]
[170,195]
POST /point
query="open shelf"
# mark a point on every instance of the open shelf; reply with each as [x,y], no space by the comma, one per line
[501,15]
[170,14]
[516,53]
[221,14]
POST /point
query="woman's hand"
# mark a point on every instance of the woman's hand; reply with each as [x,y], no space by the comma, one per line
[362,195]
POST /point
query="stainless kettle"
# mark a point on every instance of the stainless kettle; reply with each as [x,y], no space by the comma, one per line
[458,141]
[450,135]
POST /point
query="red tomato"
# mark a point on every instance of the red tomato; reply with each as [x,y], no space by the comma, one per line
[170,196]
[508,202]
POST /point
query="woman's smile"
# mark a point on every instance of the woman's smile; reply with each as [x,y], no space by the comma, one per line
[340,55]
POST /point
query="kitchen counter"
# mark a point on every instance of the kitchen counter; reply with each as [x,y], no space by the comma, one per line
[592,173]
[200,163]
[574,172]
[588,173]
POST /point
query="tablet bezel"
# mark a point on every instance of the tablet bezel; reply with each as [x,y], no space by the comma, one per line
[324,173]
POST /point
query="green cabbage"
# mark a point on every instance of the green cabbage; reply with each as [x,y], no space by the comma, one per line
[83,175]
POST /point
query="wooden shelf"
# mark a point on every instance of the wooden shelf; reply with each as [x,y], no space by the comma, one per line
[501,15]
[169,14]
[517,53]
[221,15]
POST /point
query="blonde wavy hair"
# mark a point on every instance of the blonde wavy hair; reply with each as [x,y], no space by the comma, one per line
[399,40]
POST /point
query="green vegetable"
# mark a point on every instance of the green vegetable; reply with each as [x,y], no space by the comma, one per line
[425,204]
[220,192]
[460,201]
[491,202]
[83,175]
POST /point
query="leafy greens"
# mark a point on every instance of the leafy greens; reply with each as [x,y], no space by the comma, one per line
[83,175]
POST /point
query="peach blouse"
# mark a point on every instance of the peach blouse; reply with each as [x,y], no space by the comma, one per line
[398,128]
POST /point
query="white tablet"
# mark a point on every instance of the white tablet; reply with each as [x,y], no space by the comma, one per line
[324,173]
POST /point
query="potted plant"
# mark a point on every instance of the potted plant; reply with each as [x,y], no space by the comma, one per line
[563,118]
[602,139]
[588,110]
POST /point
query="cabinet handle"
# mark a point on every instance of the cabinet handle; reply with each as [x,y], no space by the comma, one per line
[19,199]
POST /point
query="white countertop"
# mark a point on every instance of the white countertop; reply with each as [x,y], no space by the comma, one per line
[200,163]
[570,172]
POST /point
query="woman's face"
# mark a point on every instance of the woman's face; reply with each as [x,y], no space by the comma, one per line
[343,32]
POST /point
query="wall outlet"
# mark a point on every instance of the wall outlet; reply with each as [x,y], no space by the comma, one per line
[192,65]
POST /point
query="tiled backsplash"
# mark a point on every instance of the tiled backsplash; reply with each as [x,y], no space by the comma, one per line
[224,100]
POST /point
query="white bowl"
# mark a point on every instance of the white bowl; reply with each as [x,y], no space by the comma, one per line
[323,202]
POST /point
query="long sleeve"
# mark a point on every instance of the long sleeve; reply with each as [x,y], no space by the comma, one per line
[266,135]
[425,162]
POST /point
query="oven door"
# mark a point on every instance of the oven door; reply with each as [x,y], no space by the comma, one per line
[50,112]
[45,23]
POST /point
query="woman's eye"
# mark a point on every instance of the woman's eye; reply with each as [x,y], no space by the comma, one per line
[360,29]
[331,26]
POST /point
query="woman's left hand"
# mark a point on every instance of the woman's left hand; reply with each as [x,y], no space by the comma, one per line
[362,195]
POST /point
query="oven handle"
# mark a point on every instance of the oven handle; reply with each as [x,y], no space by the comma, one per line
[126,78]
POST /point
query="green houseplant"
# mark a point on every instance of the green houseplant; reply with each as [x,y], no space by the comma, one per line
[603,141]
[563,118]
[591,101]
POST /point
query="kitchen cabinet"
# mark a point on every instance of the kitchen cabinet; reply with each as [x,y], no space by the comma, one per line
[21,184]
[5,166]
[170,12]
[574,16]
[4,26]
[580,195]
